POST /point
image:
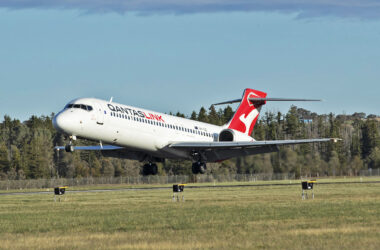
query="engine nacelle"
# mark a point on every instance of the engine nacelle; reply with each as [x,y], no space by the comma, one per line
[233,135]
[226,135]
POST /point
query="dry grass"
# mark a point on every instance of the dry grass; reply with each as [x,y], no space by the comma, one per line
[345,216]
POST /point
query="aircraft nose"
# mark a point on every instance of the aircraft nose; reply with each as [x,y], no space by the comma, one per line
[60,123]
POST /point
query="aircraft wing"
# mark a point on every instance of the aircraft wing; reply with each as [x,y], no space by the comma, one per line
[110,151]
[217,151]
[248,144]
[97,147]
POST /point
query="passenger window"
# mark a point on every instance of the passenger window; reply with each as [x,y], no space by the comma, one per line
[89,108]
[76,106]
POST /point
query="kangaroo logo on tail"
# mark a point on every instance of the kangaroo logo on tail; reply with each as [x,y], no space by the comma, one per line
[247,113]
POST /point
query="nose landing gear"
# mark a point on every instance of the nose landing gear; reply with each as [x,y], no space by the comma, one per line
[70,147]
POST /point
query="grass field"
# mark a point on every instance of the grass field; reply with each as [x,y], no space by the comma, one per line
[344,216]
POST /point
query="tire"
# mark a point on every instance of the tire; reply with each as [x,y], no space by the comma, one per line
[195,168]
[202,168]
[69,148]
[146,169]
[153,169]
[199,168]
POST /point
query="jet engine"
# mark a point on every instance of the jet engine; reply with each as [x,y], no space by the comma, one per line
[227,135]
[233,135]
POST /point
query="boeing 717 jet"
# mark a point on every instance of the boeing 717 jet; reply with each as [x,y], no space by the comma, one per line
[134,133]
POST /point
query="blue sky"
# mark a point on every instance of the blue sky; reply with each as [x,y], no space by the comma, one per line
[180,57]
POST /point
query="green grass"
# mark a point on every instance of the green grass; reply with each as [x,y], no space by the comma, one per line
[123,186]
[345,216]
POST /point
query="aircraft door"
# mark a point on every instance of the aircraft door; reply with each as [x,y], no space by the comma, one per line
[99,114]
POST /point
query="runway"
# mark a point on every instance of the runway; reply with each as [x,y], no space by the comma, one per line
[187,187]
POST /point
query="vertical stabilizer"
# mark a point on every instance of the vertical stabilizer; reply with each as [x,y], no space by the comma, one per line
[247,113]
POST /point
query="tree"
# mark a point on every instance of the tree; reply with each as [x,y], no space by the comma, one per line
[374,158]
[370,137]
[213,117]
[356,165]
[4,160]
[108,169]
[292,122]
[95,167]
[228,113]
[16,163]
[180,114]
[193,116]
[333,163]
[202,115]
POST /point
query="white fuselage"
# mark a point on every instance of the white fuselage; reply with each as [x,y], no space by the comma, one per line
[130,127]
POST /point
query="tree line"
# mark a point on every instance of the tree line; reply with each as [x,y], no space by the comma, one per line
[26,148]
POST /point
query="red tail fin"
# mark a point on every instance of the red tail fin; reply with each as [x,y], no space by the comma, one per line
[247,113]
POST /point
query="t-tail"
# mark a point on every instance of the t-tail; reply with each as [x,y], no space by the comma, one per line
[247,113]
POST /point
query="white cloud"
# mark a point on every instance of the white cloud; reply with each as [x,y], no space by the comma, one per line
[361,9]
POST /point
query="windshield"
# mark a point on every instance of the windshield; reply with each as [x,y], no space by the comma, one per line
[79,106]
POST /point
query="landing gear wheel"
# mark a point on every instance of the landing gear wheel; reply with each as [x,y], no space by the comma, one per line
[69,148]
[199,168]
[154,169]
[202,168]
[150,169]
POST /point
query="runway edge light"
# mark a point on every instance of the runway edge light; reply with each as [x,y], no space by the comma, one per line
[178,188]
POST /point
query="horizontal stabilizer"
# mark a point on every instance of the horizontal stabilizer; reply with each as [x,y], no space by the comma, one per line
[282,100]
[256,100]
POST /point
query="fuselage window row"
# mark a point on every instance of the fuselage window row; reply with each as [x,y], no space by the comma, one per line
[156,123]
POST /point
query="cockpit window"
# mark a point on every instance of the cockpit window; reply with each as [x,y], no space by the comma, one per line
[79,106]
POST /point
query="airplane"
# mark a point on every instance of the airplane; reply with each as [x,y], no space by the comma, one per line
[147,136]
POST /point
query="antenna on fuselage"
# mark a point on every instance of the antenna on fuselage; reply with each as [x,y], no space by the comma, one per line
[111,98]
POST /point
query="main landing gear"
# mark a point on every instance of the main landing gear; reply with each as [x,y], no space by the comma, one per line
[150,169]
[199,167]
